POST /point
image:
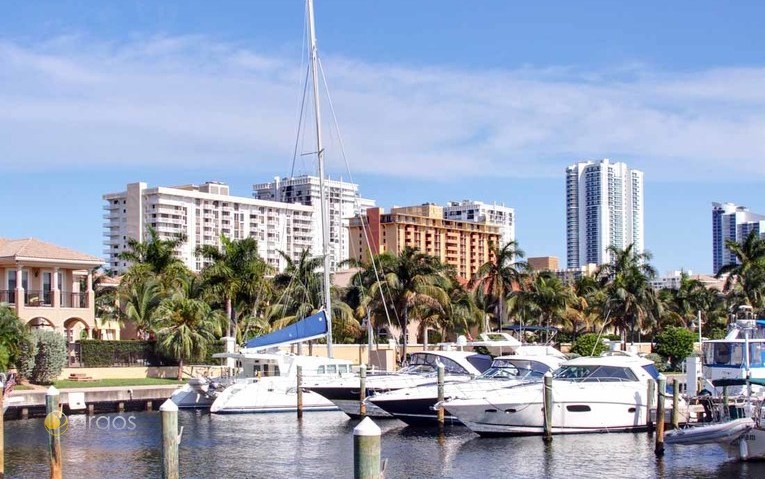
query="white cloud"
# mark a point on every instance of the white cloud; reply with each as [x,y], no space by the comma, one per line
[190,101]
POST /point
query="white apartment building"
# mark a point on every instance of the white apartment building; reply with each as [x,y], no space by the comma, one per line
[731,222]
[203,213]
[479,212]
[604,207]
[344,204]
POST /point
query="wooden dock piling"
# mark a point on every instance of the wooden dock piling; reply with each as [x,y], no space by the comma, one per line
[661,392]
[55,423]
[548,406]
[170,440]
[362,390]
[649,405]
[440,383]
[366,450]
[675,403]
[300,392]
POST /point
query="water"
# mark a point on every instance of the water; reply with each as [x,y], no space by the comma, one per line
[321,446]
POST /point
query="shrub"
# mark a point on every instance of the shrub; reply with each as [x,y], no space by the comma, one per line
[5,357]
[676,344]
[96,353]
[588,345]
[50,358]
[26,358]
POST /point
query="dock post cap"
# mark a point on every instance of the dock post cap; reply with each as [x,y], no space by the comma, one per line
[367,427]
[168,406]
[661,377]
[548,374]
[52,391]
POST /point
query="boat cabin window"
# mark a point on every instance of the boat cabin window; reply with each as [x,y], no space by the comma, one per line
[423,363]
[651,369]
[481,362]
[724,354]
[595,373]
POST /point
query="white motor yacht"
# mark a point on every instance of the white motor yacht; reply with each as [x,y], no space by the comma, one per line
[459,366]
[590,394]
[415,406]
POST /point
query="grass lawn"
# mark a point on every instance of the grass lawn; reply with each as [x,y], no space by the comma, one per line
[114,382]
[22,387]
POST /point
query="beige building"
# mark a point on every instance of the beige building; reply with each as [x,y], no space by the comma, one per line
[50,287]
[462,244]
[543,263]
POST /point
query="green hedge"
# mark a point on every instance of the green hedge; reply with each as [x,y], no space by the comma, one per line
[95,353]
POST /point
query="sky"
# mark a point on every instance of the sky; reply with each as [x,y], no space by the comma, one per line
[434,100]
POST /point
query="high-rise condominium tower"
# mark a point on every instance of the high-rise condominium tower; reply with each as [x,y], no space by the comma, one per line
[604,207]
[731,222]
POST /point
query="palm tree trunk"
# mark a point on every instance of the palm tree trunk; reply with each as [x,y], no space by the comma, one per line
[180,369]
[406,329]
[229,312]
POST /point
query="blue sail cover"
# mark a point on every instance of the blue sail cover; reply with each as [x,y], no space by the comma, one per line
[312,327]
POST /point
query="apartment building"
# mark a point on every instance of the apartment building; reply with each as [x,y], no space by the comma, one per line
[203,213]
[480,212]
[462,244]
[731,222]
[604,207]
[344,202]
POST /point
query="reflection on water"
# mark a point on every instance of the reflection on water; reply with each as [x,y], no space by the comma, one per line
[277,445]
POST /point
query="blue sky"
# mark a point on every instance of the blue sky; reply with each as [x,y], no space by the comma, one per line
[436,101]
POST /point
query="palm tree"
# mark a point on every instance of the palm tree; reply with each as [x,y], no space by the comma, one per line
[630,302]
[155,257]
[498,275]
[300,294]
[746,277]
[187,327]
[236,272]
[550,297]
[138,303]
[415,279]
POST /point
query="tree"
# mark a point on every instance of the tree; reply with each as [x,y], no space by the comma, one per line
[236,272]
[590,344]
[415,279]
[13,333]
[630,300]
[745,283]
[139,301]
[498,275]
[155,257]
[548,296]
[676,344]
[187,328]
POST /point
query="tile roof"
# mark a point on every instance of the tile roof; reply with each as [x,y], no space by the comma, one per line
[37,249]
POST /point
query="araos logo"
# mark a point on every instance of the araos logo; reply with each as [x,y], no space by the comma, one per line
[56,423]
[114,423]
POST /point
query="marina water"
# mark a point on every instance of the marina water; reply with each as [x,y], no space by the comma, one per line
[321,446]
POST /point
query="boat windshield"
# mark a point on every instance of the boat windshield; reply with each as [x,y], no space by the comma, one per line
[732,354]
[422,363]
[515,369]
[595,373]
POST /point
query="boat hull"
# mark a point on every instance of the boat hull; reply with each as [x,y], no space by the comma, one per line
[591,408]
[187,397]
[267,395]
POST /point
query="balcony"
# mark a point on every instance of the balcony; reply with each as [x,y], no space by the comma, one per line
[44,299]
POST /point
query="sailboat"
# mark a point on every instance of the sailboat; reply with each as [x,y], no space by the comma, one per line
[267,380]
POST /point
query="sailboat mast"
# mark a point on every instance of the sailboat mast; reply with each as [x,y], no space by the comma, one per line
[323,192]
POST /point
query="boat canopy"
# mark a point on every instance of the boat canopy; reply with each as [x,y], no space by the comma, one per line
[312,327]
[737,382]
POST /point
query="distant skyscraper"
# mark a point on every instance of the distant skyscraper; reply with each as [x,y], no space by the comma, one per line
[731,222]
[604,207]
